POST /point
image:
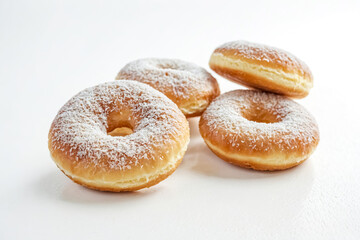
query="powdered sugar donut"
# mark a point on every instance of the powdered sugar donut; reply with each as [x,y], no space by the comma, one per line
[191,87]
[259,130]
[263,67]
[118,136]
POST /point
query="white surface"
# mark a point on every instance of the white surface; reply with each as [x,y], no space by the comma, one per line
[49,51]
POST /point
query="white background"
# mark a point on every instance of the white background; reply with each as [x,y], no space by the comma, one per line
[49,51]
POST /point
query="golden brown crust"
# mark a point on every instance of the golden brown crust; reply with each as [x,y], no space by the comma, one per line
[115,180]
[261,162]
[266,56]
[109,188]
[189,86]
[258,82]
[262,67]
[256,165]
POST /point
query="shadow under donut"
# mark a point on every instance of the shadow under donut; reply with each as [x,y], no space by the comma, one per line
[254,193]
[57,186]
[194,127]
[200,159]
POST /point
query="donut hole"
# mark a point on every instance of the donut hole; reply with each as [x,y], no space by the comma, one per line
[120,131]
[119,124]
[260,116]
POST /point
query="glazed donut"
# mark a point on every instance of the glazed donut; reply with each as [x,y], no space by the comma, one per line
[259,130]
[262,67]
[88,142]
[191,87]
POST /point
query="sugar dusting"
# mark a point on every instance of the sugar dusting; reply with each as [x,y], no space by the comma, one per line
[80,127]
[264,53]
[294,129]
[182,79]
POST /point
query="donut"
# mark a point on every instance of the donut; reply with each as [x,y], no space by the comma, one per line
[191,87]
[262,67]
[118,136]
[259,130]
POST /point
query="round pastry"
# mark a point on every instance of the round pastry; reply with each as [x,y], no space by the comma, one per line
[262,67]
[191,87]
[118,136]
[259,130]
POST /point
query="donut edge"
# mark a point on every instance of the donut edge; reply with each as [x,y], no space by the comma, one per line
[256,75]
[258,163]
[127,186]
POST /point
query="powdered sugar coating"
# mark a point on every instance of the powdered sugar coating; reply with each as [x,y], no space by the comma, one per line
[179,80]
[293,128]
[266,54]
[79,131]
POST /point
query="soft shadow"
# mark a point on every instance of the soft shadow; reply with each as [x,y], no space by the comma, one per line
[200,159]
[194,127]
[57,186]
[265,194]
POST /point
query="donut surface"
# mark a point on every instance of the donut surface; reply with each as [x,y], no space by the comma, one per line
[88,143]
[263,67]
[259,130]
[191,87]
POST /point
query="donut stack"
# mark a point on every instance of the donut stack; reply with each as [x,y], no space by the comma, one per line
[262,128]
[132,133]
